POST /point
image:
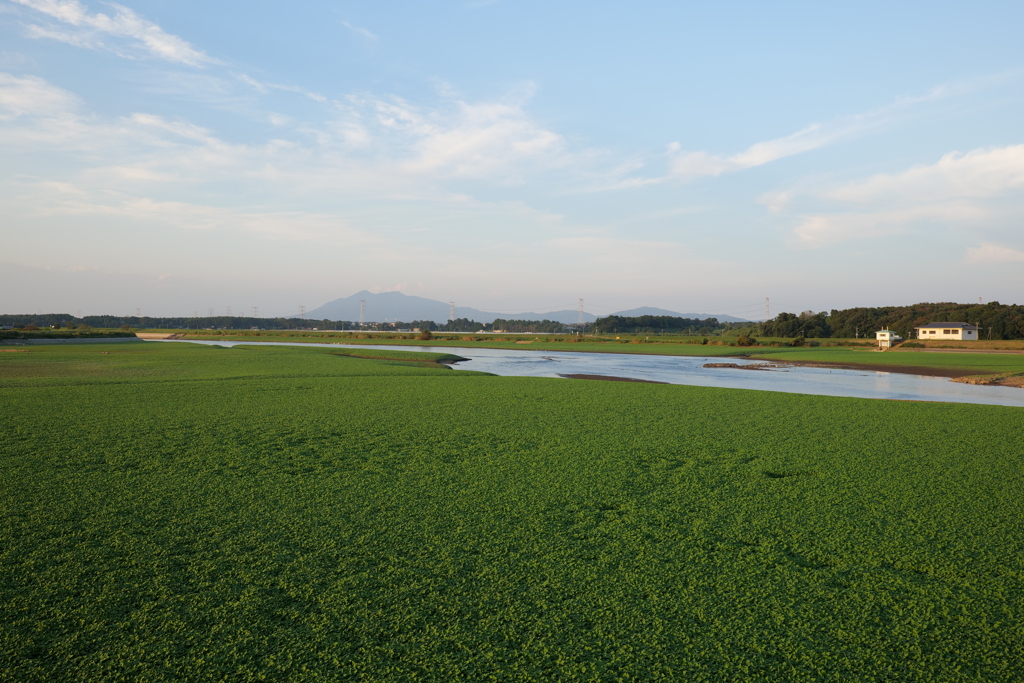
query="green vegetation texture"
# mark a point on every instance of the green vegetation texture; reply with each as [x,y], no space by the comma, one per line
[174,512]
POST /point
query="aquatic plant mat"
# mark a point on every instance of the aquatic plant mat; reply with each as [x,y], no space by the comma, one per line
[173,512]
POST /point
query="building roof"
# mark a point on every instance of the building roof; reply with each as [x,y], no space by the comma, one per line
[892,332]
[963,326]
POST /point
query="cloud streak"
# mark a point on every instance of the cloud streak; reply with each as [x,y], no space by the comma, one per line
[988,253]
[689,165]
[974,191]
[74,24]
[359,31]
[32,96]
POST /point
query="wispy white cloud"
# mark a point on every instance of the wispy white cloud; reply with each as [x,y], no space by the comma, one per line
[971,191]
[988,253]
[265,87]
[379,167]
[359,31]
[687,165]
[819,229]
[31,95]
[979,173]
[462,139]
[76,25]
[70,199]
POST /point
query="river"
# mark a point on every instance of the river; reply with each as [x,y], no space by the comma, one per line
[690,370]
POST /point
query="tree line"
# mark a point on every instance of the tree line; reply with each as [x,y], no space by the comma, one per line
[655,324]
[996,320]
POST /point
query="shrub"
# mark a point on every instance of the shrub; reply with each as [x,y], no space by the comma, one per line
[744,340]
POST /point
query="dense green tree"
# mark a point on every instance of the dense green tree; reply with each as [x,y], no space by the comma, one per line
[654,324]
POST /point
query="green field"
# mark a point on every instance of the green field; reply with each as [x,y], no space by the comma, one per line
[176,512]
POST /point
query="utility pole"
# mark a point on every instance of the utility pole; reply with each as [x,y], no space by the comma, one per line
[362,312]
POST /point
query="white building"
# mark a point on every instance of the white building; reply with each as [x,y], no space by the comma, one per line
[947,331]
[887,338]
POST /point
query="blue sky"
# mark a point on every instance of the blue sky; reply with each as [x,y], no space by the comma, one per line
[510,155]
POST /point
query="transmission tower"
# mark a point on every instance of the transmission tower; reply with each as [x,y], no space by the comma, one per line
[302,312]
[579,314]
[767,315]
[228,309]
[451,311]
[362,312]
[255,311]
[209,312]
[138,312]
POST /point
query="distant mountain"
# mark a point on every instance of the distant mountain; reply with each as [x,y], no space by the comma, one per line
[395,306]
[650,310]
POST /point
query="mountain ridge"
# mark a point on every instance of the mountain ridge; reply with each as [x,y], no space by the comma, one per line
[396,306]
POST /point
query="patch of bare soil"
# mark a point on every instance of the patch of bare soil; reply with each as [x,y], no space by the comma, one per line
[1016,380]
[610,378]
[902,369]
[748,366]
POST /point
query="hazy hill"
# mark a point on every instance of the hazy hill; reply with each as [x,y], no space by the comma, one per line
[392,306]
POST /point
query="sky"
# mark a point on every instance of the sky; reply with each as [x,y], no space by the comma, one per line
[177,157]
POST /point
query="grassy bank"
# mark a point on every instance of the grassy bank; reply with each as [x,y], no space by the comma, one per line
[177,512]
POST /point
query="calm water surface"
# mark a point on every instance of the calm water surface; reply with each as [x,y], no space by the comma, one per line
[690,370]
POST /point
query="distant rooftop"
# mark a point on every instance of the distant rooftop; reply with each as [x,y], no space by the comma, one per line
[964,326]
